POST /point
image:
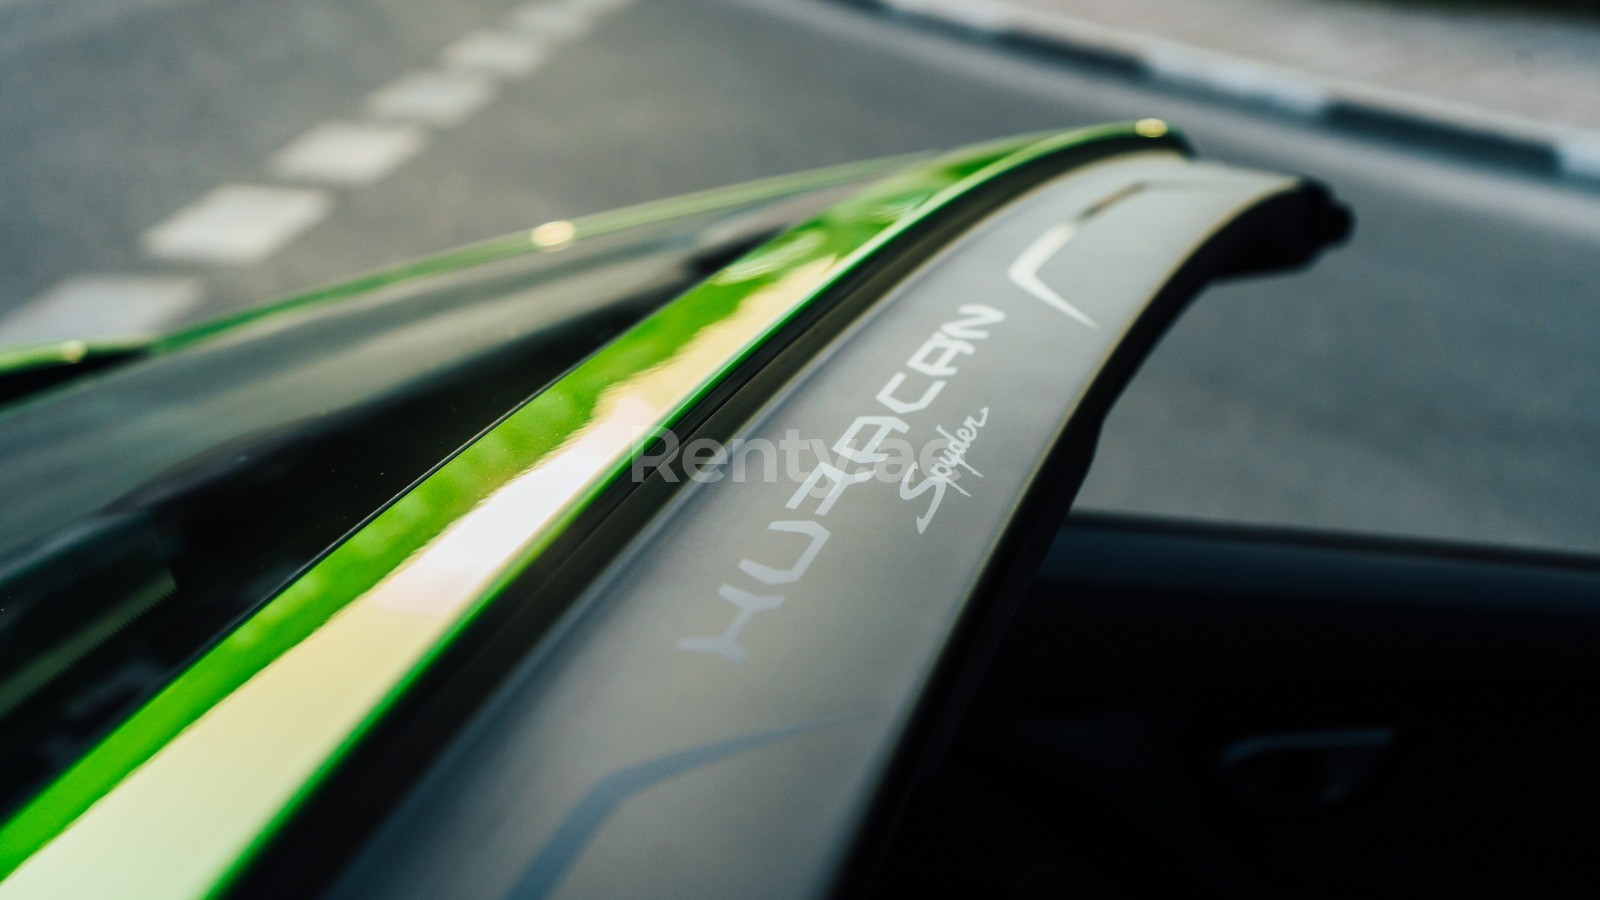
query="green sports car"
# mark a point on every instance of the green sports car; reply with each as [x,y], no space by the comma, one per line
[715,548]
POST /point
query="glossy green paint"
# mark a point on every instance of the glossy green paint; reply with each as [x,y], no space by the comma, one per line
[807,260]
[57,354]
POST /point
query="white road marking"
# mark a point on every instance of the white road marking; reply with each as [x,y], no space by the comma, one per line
[95,306]
[547,21]
[596,6]
[441,99]
[498,53]
[240,224]
[237,224]
[349,154]
[1024,272]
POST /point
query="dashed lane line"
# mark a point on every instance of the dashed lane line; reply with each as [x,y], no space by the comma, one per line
[243,224]
[550,22]
[438,98]
[237,224]
[507,55]
[116,305]
[348,154]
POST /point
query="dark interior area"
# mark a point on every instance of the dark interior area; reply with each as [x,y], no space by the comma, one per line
[1205,711]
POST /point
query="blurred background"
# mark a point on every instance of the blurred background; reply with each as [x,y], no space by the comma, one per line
[165,161]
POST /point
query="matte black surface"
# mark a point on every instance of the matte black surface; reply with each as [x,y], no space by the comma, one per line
[1414,720]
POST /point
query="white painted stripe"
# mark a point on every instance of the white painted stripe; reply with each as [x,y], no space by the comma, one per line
[238,224]
[1239,77]
[98,306]
[346,153]
[508,55]
[551,22]
[433,98]
[586,6]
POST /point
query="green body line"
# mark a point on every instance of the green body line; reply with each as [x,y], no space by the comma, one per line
[31,357]
[809,259]
[54,354]
[523,242]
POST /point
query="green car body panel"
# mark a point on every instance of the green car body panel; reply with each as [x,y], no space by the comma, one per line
[178,798]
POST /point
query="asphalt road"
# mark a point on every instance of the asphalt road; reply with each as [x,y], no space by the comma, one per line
[1438,376]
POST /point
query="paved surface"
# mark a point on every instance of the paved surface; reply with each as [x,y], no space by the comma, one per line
[1494,57]
[1435,377]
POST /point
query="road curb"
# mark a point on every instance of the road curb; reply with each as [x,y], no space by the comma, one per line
[1504,139]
